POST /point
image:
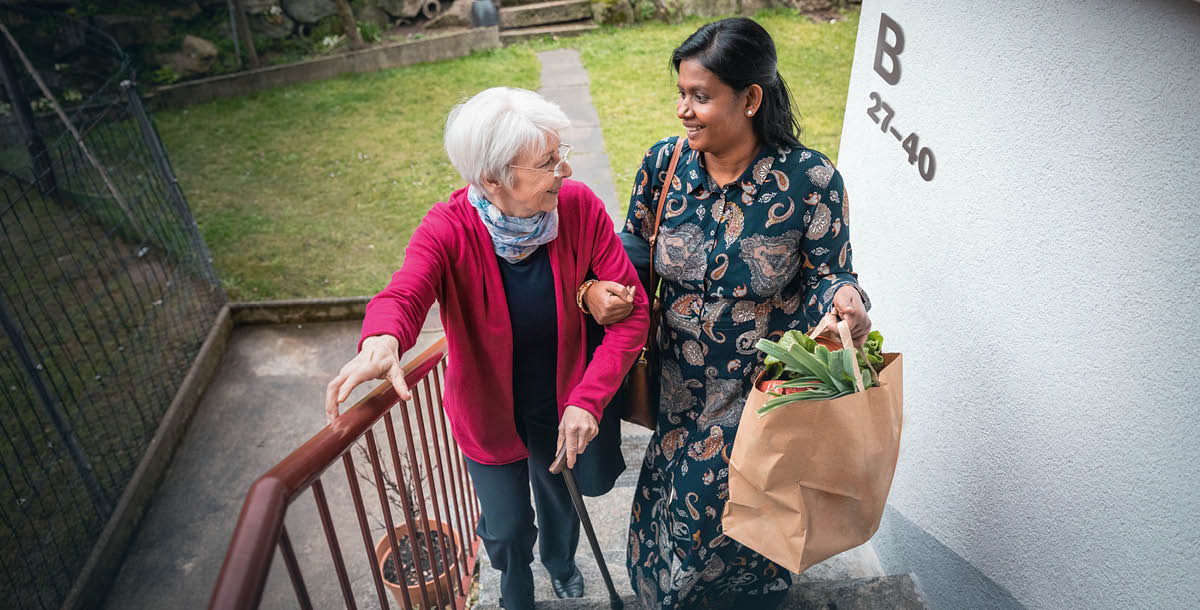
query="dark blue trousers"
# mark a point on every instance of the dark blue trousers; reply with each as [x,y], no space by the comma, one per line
[507,521]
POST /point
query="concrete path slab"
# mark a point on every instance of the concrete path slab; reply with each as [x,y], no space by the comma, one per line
[265,401]
[565,82]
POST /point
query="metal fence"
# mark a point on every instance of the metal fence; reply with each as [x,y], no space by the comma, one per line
[107,292]
[424,511]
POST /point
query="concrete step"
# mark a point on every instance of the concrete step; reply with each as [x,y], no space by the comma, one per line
[593,584]
[850,580]
[555,31]
[633,449]
[544,13]
[899,592]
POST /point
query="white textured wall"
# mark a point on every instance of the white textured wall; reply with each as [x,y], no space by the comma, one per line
[1043,287]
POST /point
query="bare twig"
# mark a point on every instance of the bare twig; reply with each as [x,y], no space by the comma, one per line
[391,487]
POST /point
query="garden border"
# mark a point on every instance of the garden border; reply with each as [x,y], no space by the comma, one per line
[106,557]
[379,57]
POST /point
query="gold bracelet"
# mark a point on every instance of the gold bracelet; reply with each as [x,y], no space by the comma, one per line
[583,288]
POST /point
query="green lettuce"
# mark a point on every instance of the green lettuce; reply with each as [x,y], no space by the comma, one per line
[823,374]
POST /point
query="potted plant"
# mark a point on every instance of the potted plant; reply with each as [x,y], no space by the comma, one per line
[420,572]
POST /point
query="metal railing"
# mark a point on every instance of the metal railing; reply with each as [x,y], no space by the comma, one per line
[428,474]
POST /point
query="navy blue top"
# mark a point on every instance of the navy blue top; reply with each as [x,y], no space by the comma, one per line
[532,310]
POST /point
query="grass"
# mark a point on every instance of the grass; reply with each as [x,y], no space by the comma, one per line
[314,190]
[633,87]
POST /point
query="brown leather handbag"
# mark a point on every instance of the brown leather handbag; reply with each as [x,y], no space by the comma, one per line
[641,405]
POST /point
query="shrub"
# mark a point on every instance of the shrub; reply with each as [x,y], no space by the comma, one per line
[370,32]
[164,75]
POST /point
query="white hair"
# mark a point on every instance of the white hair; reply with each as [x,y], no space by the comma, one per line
[489,131]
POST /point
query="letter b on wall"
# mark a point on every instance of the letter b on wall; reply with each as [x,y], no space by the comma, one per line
[892,50]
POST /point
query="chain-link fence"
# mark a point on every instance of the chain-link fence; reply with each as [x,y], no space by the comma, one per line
[107,292]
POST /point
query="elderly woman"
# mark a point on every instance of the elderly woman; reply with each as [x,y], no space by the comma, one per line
[754,240]
[503,258]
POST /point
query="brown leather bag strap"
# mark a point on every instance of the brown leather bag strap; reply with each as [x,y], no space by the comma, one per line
[662,201]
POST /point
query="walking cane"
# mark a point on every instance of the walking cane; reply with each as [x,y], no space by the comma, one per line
[560,466]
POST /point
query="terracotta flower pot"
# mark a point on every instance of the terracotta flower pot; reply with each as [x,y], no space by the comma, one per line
[383,551]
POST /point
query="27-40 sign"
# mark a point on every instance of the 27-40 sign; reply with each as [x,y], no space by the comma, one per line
[882,113]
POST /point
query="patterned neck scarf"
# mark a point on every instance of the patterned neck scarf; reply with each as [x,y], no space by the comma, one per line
[514,238]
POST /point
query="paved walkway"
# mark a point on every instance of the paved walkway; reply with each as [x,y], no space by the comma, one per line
[565,82]
[266,400]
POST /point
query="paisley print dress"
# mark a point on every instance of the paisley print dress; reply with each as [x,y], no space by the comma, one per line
[748,260]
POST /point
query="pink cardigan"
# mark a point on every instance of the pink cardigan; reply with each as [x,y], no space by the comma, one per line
[450,258]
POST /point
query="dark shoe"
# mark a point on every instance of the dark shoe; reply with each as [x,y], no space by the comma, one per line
[571,587]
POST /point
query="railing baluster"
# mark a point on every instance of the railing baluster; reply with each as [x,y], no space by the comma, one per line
[464,476]
[474,503]
[356,494]
[339,565]
[455,483]
[405,501]
[412,462]
[445,495]
[385,506]
[467,526]
[432,500]
[293,569]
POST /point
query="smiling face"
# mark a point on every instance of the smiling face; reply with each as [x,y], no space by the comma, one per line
[534,188]
[714,114]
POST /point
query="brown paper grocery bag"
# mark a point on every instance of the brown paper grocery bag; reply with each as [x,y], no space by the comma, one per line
[809,480]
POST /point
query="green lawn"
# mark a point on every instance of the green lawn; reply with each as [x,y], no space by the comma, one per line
[633,87]
[314,190]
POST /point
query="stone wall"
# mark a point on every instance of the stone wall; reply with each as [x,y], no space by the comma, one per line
[173,40]
[633,11]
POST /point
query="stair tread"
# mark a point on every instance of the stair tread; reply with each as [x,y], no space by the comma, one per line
[852,580]
[580,26]
[533,6]
[898,591]
[594,589]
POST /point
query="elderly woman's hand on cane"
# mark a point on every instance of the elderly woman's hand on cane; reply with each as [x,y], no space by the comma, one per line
[379,359]
[575,430]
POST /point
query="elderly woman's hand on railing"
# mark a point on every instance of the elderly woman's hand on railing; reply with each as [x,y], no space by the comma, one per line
[379,359]
[609,302]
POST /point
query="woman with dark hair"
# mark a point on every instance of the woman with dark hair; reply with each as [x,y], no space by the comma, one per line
[753,241]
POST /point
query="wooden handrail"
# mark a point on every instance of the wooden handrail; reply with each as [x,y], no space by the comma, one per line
[248,559]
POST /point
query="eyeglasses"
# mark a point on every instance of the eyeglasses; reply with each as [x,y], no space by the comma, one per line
[564,151]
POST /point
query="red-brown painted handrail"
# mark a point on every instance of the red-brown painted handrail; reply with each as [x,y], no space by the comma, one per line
[248,559]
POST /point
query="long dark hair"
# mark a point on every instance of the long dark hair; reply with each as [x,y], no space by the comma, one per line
[741,53]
